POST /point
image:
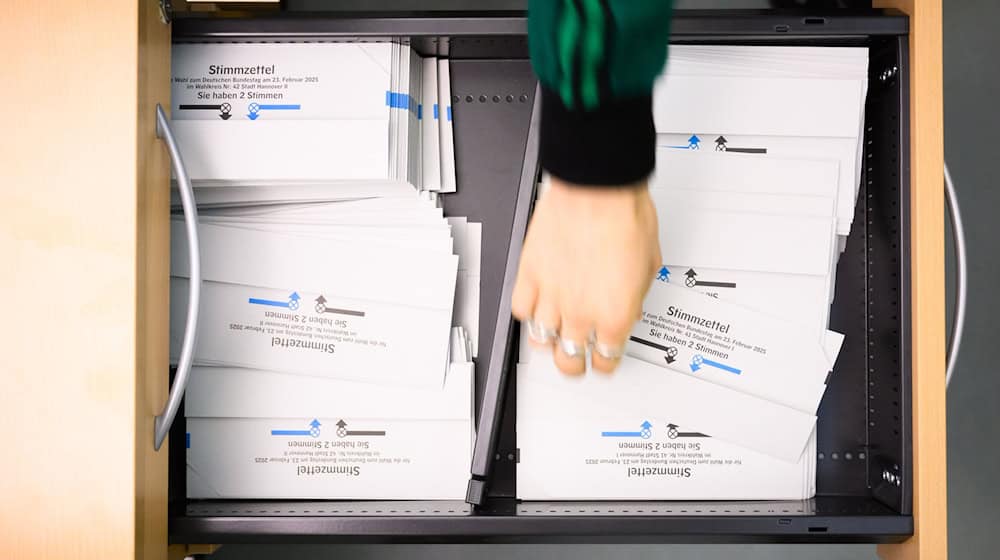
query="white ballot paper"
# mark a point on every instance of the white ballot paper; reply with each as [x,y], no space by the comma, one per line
[762,100]
[600,456]
[259,434]
[227,82]
[841,150]
[317,307]
[314,334]
[799,299]
[295,150]
[449,180]
[731,345]
[258,112]
[745,241]
[644,391]
[468,246]
[430,127]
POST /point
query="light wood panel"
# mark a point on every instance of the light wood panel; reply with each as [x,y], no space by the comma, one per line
[930,542]
[82,238]
[152,282]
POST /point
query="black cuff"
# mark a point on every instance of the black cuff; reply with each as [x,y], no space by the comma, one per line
[614,144]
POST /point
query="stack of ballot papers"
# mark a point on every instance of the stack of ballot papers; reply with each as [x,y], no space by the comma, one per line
[339,309]
[797,102]
[757,175]
[265,434]
[312,121]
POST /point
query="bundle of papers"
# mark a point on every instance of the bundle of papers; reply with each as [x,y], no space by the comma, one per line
[756,179]
[339,307]
[802,102]
[263,434]
[325,367]
[324,299]
[316,121]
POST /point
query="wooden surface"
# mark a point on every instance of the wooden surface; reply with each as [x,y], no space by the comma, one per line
[152,283]
[82,337]
[927,211]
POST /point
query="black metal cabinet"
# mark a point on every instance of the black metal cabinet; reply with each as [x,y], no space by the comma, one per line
[863,464]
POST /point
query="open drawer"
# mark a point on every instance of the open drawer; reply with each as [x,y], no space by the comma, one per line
[864,482]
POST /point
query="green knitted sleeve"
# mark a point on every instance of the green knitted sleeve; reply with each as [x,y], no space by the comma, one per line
[597,61]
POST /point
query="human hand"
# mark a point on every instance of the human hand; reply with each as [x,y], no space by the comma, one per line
[588,259]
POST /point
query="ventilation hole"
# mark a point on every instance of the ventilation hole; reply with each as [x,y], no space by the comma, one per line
[523,98]
[821,456]
[848,456]
[835,456]
[510,456]
[496,99]
[497,457]
[482,99]
[510,98]
[468,99]
[781,29]
[455,99]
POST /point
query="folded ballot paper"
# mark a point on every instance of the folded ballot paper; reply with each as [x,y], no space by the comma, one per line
[339,307]
[757,174]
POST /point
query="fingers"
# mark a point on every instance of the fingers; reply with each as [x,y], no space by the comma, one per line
[611,334]
[544,323]
[570,354]
[522,303]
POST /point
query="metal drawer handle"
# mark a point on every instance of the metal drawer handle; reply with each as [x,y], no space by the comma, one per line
[961,273]
[166,418]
